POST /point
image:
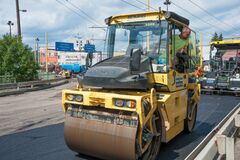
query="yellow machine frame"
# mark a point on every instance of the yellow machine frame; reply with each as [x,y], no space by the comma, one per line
[228,41]
[172,103]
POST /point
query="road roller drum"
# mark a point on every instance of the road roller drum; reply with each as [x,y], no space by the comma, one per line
[101,134]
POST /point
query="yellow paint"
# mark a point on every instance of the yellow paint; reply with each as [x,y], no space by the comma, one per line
[230,41]
[172,106]
[146,16]
[170,100]
[168,80]
[173,132]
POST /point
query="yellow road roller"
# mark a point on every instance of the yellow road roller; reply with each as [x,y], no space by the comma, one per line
[142,95]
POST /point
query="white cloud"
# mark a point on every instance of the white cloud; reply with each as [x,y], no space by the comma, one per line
[63,24]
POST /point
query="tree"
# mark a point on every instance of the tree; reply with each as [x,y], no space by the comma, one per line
[17,59]
[220,38]
[215,37]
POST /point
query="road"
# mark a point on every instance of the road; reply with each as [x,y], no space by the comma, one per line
[31,110]
[47,143]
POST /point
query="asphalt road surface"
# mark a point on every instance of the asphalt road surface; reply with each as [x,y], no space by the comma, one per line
[31,110]
[47,143]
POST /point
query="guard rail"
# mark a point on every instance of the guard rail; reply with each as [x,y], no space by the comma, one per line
[28,84]
[220,142]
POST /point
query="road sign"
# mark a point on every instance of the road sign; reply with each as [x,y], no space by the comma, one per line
[89,48]
[64,46]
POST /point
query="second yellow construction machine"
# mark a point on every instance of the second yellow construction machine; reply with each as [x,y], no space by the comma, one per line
[128,104]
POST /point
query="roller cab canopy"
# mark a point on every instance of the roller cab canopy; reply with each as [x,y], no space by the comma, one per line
[147,16]
[226,44]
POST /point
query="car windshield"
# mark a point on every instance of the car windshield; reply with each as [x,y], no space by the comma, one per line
[149,36]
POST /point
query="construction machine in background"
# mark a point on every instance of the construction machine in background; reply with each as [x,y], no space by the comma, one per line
[225,66]
[128,104]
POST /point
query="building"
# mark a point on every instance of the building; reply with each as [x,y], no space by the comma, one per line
[62,57]
[52,56]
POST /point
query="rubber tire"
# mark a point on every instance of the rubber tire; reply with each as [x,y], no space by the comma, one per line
[189,125]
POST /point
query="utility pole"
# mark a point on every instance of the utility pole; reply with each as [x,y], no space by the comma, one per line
[18,19]
[38,54]
[36,49]
[10,23]
[46,53]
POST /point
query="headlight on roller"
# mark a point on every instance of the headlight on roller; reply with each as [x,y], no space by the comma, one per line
[70,97]
[74,97]
[131,104]
[119,102]
[125,103]
[79,98]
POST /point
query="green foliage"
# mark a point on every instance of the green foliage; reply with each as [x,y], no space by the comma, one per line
[220,38]
[217,37]
[17,59]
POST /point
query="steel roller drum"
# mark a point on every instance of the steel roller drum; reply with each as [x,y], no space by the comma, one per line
[100,139]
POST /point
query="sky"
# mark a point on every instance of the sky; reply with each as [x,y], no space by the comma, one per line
[70,20]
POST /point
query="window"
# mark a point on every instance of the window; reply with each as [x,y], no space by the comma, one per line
[149,36]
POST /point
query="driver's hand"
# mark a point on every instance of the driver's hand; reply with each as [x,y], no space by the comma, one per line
[182,50]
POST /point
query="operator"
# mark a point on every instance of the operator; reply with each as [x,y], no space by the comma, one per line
[181,43]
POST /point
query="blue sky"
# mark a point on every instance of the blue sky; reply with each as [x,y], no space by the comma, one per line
[64,24]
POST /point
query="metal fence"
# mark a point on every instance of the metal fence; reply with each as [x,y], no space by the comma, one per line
[46,76]
[9,78]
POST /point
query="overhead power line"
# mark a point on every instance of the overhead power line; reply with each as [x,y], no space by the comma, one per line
[70,9]
[182,9]
[194,3]
[133,5]
[146,5]
[197,16]
[88,16]
[157,10]
[76,12]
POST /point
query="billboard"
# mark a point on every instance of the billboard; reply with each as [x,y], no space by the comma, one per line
[69,58]
[64,46]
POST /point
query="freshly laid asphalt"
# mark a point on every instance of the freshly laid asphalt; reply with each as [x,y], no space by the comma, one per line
[47,143]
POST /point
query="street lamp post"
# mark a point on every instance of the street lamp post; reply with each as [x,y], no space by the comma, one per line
[18,18]
[37,57]
[167,2]
[10,23]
